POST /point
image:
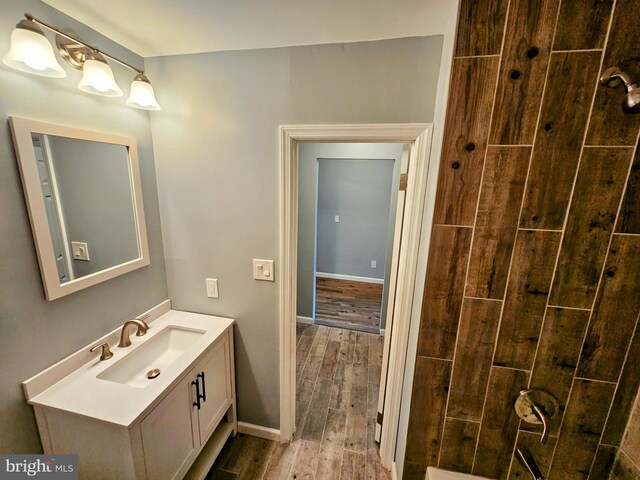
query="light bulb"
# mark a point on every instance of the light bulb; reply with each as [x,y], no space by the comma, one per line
[142,94]
[97,78]
[31,52]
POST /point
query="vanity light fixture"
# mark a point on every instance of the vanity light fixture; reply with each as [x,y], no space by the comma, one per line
[32,53]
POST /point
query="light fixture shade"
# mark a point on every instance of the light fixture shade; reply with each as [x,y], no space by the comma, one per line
[142,94]
[97,78]
[31,52]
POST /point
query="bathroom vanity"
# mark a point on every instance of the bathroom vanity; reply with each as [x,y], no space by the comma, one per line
[125,425]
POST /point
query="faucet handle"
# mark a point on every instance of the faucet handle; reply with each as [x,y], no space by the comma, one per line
[105,354]
[537,407]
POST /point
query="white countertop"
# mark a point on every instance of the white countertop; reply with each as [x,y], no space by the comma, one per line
[83,393]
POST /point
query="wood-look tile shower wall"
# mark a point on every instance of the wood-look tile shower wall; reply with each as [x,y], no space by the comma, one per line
[534,270]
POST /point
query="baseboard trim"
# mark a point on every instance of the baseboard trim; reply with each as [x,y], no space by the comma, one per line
[352,278]
[394,471]
[304,320]
[259,431]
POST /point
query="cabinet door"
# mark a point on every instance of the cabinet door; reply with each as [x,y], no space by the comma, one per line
[217,387]
[168,436]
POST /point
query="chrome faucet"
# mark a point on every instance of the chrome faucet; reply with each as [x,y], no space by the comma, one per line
[125,341]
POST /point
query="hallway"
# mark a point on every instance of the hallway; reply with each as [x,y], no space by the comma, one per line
[338,374]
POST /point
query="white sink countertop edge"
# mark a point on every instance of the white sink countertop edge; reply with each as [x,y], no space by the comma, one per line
[84,394]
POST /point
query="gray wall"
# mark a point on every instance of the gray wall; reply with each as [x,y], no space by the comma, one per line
[216,144]
[95,193]
[359,192]
[308,154]
[35,333]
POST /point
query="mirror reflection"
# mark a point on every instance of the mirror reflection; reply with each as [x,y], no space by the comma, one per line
[88,198]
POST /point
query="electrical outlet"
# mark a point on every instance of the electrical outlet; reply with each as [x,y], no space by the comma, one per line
[80,251]
[336,218]
[212,287]
[374,264]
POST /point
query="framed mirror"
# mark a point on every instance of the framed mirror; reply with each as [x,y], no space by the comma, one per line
[84,198]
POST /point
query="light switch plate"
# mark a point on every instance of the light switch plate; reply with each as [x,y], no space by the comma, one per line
[263,270]
[80,251]
[212,287]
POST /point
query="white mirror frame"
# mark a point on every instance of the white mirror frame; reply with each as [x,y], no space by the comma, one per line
[21,129]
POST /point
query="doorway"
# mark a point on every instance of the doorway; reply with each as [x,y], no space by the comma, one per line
[418,136]
[347,203]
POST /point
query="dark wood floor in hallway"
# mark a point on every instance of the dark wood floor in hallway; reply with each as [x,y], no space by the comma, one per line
[348,304]
[338,376]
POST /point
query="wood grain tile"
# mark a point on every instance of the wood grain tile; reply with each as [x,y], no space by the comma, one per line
[317,416]
[560,133]
[531,272]
[499,428]
[582,24]
[341,390]
[356,420]
[629,217]
[480,27]
[525,59]
[557,358]
[615,312]
[472,88]
[443,291]
[329,462]
[281,461]
[253,462]
[430,386]
[320,341]
[304,393]
[581,430]
[330,360]
[354,465]
[496,222]
[458,445]
[596,198]
[603,463]
[306,461]
[609,124]
[541,453]
[413,471]
[476,341]
[624,469]
[625,395]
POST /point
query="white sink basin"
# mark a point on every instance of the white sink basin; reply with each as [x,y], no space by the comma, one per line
[158,352]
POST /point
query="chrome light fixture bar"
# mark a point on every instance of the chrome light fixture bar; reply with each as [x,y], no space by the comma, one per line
[31,52]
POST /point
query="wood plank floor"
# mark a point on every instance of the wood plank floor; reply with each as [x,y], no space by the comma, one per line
[338,376]
[347,304]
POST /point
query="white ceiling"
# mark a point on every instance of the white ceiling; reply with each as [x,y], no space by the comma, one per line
[170,27]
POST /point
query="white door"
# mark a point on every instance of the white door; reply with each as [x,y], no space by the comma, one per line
[393,281]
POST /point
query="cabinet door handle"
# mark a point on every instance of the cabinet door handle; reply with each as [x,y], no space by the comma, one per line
[204,389]
[196,382]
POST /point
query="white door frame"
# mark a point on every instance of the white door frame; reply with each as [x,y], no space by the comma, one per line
[419,136]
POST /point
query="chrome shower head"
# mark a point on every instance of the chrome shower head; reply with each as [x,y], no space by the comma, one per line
[614,76]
